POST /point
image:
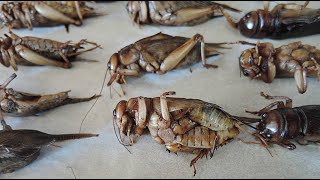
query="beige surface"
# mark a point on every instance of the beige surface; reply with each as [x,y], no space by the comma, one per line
[104,157]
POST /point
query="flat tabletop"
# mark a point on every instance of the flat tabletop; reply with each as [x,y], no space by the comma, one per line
[104,157]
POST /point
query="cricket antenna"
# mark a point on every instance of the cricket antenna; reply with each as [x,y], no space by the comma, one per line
[104,80]
[115,132]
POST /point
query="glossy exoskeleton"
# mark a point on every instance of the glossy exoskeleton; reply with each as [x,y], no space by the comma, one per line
[285,123]
[283,21]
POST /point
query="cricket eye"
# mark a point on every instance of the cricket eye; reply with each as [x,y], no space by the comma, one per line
[245,73]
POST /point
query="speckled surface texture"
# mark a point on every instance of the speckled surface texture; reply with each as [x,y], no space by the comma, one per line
[104,157]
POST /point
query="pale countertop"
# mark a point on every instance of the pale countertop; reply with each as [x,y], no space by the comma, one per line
[104,157]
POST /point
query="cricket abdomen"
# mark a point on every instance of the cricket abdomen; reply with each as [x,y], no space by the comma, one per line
[211,116]
[199,137]
[296,55]
[296,23]
[202,138]
[47,48]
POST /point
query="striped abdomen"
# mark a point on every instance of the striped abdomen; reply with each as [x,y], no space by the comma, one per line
[212,116]
[203,137]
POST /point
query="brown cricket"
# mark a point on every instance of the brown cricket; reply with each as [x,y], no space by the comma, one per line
[175,13]
[285,123]
[182,125]
[265,62]
[19,148]
[159,54]
[283,21]
[29,14]
[15,103]
[34,51]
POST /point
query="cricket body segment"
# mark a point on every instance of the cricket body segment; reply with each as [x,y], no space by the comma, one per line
[174,13]
[34,51]
[285,123]
[283,21]
[182,125]
[19,148]
[159,54]
[296,60]
[29,14]
[15,103]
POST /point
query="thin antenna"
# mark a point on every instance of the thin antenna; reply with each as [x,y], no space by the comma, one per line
[240,68]
[75,177]
[104,80]
[124,145]
[264,142]
[255,135]
[249,125]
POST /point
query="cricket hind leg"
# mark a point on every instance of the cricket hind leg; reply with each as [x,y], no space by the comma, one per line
[203,55]
[211,49]
[166,117]
[37,59]
[206,142]
[266,5]
[53,14]
[305,140]
[194,15]
[176,56]
[279,104]
[288,101]
[175,148]
[202,153]
[289,6]
[78,9]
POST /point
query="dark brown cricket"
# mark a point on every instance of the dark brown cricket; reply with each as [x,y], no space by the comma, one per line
[283,21]
[285,123]
[19,148]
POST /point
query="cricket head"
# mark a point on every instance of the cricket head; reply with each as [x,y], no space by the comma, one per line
[122,117]
[123,64]
[249,63]
[249,24]
[3,87]
[7,105]
[256,63]
[131,117]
